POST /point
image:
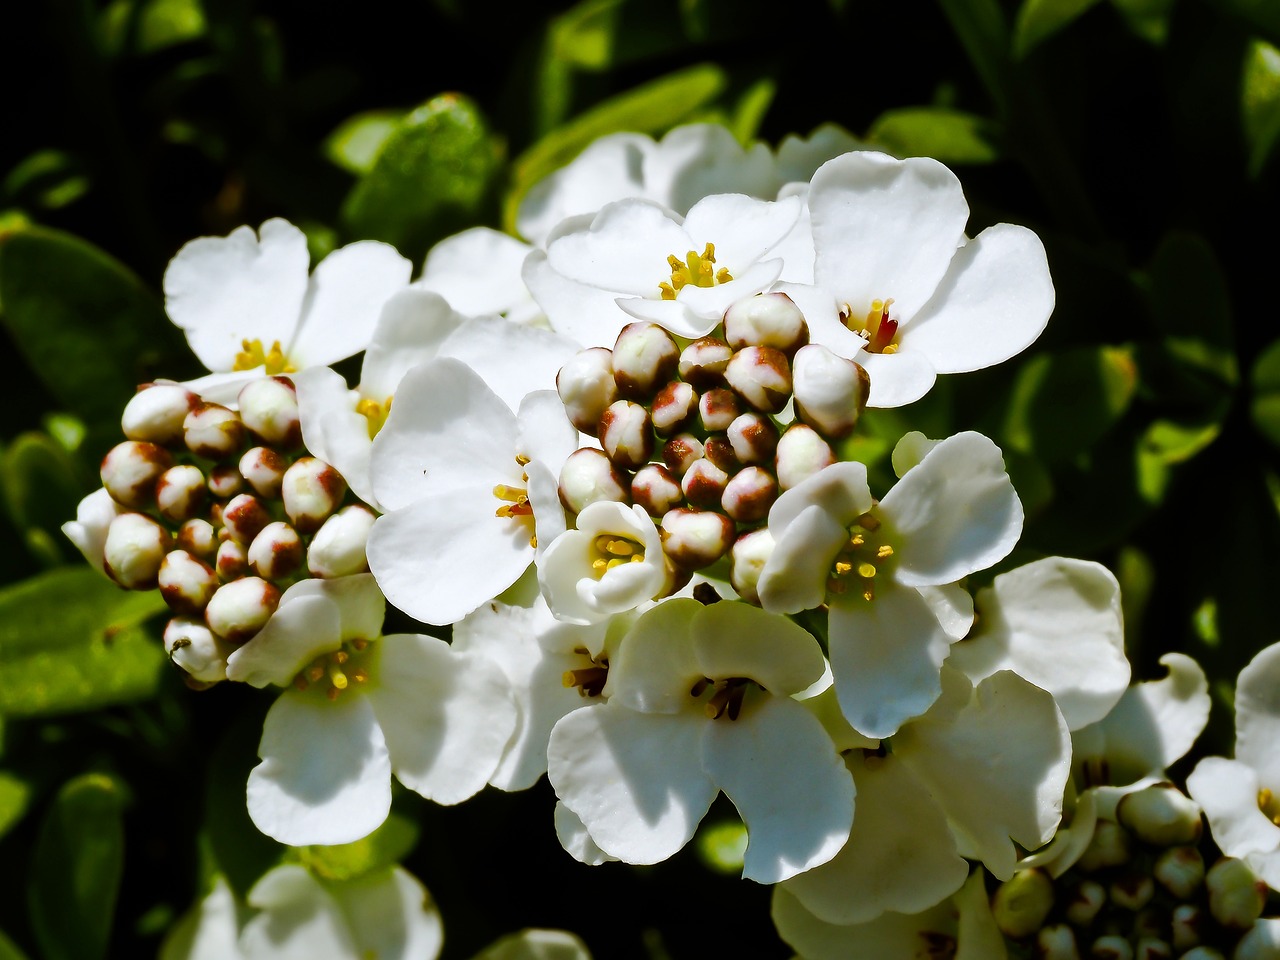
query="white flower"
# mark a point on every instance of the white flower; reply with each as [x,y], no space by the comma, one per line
[701,703]
[359,707]
[478,272]
[88,531]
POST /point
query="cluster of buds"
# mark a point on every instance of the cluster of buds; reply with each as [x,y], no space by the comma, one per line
[221,510]
[1139,891]
[706,435]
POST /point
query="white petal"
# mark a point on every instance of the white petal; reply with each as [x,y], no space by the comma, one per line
[581,312]
[477,271]
[734,639]
[391,916]
[840,490]
[675,316]
[325,776]
[795,575]
[412,325]
[624,250]
[576,841]
[299,919]
[89,529]
[513,359]
[891,936]
[1228,792]
[980,938]
[1072,837]
[1258,715]
[897,378]
[742,228]
[543,432]
[208,931]
[822,314]
[953,607]
[224,388]
[798,158]
[696,160]
[332,429]
[296,634]
[656,666]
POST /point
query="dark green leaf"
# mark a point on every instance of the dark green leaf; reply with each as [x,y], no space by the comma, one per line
[1149,19]
[1260,102]
[1040,19]
[356,143]
[1187,290]
[1166,444]
[946,135]
[15,795]
[10,950]
[41,486]
[984,34]
[1266,393]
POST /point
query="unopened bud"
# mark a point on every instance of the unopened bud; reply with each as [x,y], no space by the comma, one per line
[761,376]
[703,363]
[801,454]
[1187,926]
[1262,942]
[644,358]
[1180,870]
[1057,942]
[694,539]
[1020,904]
[1203,953]
[750,553]
[241,608]
[681,452]
[225,481]
[276,551]
[749,495]
[181,492]
[1111,947]
[656,489]
[1236,895]
[312,490]
[1132,891]
[1161,814]
[186,583]
[338,548]
[1109,846]
[717,408]
[588,476]
[703,484]
[232,560]
[626,433]
[192,646]
[1152,948]
[263,469]
[156,412]
[1150,923]
[134,549]
[198,538]
[129,472]
[830,391]
[766,320]
[586,387]
[212,431]
[1087,898]
[269,407]
[674,407]
[754,438]
[244,516]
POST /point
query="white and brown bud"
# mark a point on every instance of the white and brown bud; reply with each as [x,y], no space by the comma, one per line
[655,488]
[717,408]
[674,408]
[212,431]
[1187,926]
[1087,898]
[192,646]
[761,376]
[225,481]
[231,560]
[1236,895]
[269,408]
[681,452]
[199,538]
[704,484]
[276,551]
[129,472]
[801,453]
[1057,942]
[703,363]
[587,476]
[1152,948]
[645,357]
[750,553]
[186,583]
[244,516]
[338,548]
[766,320]
[1111,947]
[1161,814]
[134,549]
[830,391]
[1132,891]
[719,451]
[1180,870]
[263,468]
[626,433]
[1262,942]
[1203,953]
[1151,922]
[241,608]
[312,490]
[586,387]
[1021,904]
[749,495]
[754,438]
[1109,846]
[181,492]
[155,413]
[694,539]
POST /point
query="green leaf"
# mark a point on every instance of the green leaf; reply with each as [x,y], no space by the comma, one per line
[432,177]
[1149,19]
[1040,19]
[984,34]
[752,106]
[15,795]
[1265,406]
[721,846]
[10,950]
[72,640]
[1165,444]
[1188,291]
[145,26]
[47,178]
[76,868]
[947,135]
[1263,16]
[355,145]
[385,847]
[41,489]
[1260,102]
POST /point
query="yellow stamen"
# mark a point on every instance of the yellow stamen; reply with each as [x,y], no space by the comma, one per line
[697,269]
[375,412]
[252,356]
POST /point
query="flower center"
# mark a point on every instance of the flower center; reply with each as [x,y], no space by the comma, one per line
[253,356]
[1269,804]
[726,696]
[375,412]
[859,561]
[334,672]
[877,329]
[694,270]
[589,679]
[610,550]
[516,505]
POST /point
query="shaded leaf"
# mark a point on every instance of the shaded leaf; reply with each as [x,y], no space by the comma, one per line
[1265,405]
[15,795]
[1040,19]
[355,145]
[1149,19]
[947,135]
[984,34]
[1165,444]
[41,488]
[1260,102]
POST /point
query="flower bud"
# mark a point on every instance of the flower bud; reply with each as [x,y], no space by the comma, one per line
[1236,895]
[269,408]
[717,408]
[673,407]
[264,469]
[719,451]
[244,516]
[1180,870]
[1160,814]
[1151,922]
[1109,846]
[801,454]
[754,438]
[1020,904]
[749,494]
[338,548]
[626,433]
[696,538]
[312,490]
[1152,948]
[1087,898]
[129,472]
[681,452]
[750,553]
[644,357]
[656,489]
[181,492]
[703,484]
[212,431]
[1132,891]
[766,320]
[1187,926]
[192,647]
[185,583]
[225,482]
[134,549]
[703,363]
[232,560]
[241,608]
[156,412]
[1203,953]
[762,377]
[830,391]
[587,476]
[1111,947]
[586,387]
[276,551]
[198,538]
[1057,942]
[1262,942]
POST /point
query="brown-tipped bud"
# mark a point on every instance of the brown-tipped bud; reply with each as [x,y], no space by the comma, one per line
[1111,947]
[243,517]
[1021,904]
[1236,895]
[586,387]
[155,413]
[681,452]
[134,549]
[694,539]
[231,560]
[212,431]
[269,407]
[1110,846]
[719,451]
[1057,942]
[704,484]
[749,495]
[674,408]
[1161,814]
[644,358]
[626,433]
[762,377]
[587,476]
[750,553]
[338,548]
[766,320]
[1187,926]
[185,583]
[129,472]
[225,482]
[1087,898]
[801,453]
[1152,922]
[1152,948]
[263,469]
[199,538]
[1203,953]
[196,651]
[181,492]
[655,488]
[1180,870]
[1132,891]
[312,490]
[276,551]
[703,363]
[830,391]
[717,408]
[754,438]
[241,608]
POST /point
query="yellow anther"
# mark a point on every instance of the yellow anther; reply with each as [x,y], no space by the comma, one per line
[616,561]
[884,551]
[512,494]
[842,568]
[866,570]
[375,412]
[359,675]
[599,566]
[869,593]
[857,540]
[341,657]
[698,269]
[253,355]
[521,459]
[359,645]
[1264,797]
[315,673]
[621,548]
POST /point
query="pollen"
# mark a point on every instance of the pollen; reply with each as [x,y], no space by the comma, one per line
[860,559]
[333,673]
[698,270]
[611,550]
[1269,804]
[252,355]
[375,412]
[880,332]
[515,500]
